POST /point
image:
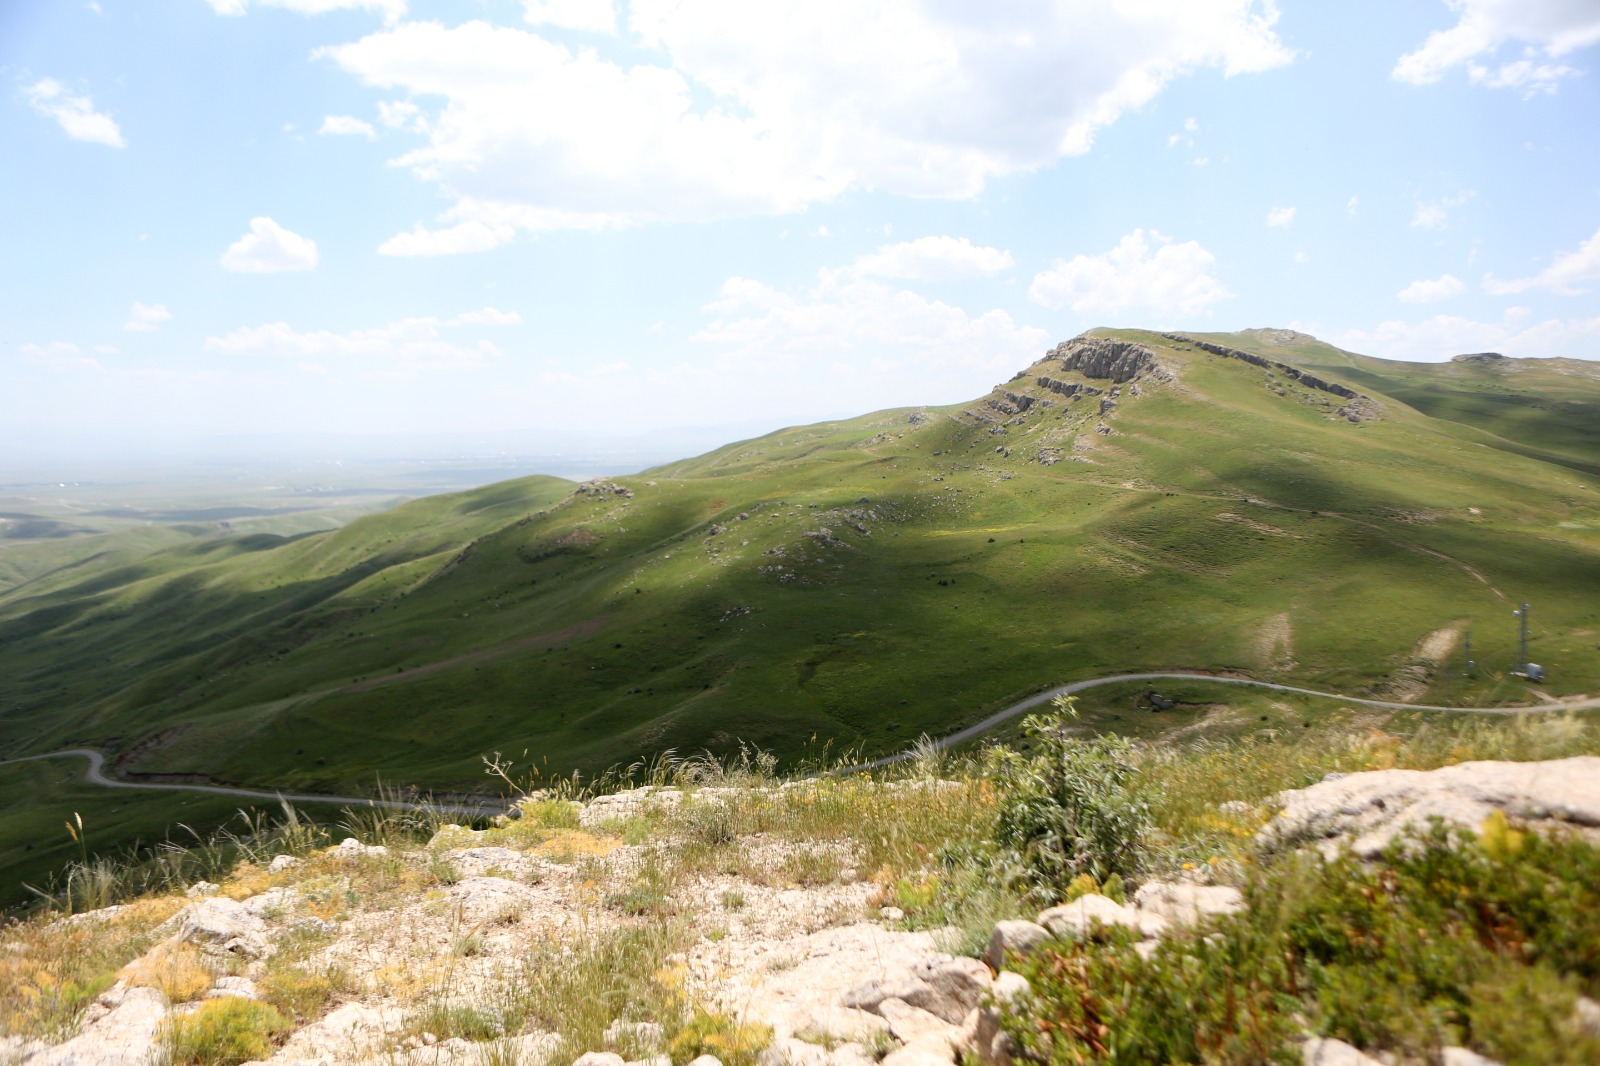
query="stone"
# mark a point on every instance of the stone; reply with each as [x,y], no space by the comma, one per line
[634,1034]
[1009,988]
[281,863]
[870,995]
[891,914]
[788,1051]
[242,987]
[935,1052]
[599,1058]
[849,1054]
[1319,1051]
[351,848]
[1460,1056]
[202,889]
[271,902]
[835,1023]
[1587,1015]
[955,987]
[908,1023]
[222,926]
[706,1060]
[1078,918]
[1013,939]
[1369,809]
[1187,904]
[125,1035]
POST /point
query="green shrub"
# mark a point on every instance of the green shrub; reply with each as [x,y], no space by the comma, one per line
[223,1032]
[1069,806]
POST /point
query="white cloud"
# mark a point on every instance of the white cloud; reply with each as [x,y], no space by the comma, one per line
[1427,292]
[1434,214]
[409,344]
[933,259]
[1280,216]
[269,249]
[75,114]
[1551,27]
[739,109]
[1443,336]
[347,126]
[1186,136]
[594,16]
[1352,206]
[146,318]
[58,355]
[1561,276]
[392,10]
[849,333]
[1176,279]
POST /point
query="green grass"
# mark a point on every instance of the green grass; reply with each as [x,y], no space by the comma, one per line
[1222,527]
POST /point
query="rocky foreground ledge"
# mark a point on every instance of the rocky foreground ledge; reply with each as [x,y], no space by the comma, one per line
[795,944]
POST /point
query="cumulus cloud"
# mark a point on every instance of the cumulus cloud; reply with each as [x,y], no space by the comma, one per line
[1145,271]
[74,114]
[851,332]
[726,116]
[146,318]
[347,126]
[1548,28]
[1280,216]
[594,16]
[391,10]
[408,344]
[1425,292]
[1562,276]
[269,249]
[933,259]
[1443,336]
[1435,214]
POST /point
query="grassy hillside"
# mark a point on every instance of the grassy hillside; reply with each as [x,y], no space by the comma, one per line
[859,581]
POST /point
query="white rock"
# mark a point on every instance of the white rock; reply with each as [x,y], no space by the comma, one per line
[1460,1056]
[1078,918]
[1322,1052]
[1369,809]
[599,1058]
[1013,940]
[271,902]
[1009,987]
[868,996]
[955,986]
[891,914]
[222,926]
[788,1051]
[281,863]
[706,1060]
[125,1035]
[835,1023]
[1187,904]
[1587,1015]
[908,1024]
[201,889]
[936,1053]
[240,987]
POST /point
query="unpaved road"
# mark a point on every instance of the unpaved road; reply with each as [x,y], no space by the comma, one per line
[487,807]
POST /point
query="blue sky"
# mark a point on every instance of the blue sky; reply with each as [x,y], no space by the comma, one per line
[598,217]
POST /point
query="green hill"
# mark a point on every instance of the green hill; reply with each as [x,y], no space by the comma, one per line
[1271,506]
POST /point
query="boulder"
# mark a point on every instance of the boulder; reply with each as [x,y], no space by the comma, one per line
[351,848]
[1369,809]
[788,1051]
[125,1035]
[1319,1051]
[908,1023]
[1079,918]
[955,986]
[870,995]
[281,863]
[599,1058]
[1187,904]
[1013,940]
[222,926]
[1009,988]
[1460,1056]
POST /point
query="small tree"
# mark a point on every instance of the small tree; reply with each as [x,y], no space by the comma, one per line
[1070,806]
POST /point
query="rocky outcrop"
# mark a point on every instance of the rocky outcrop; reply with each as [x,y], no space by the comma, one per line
[1310,381]
[1069,389]
[1481,358]
[1104,357]
[1367,810]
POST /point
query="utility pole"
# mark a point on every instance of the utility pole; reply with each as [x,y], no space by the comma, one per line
[1522,639]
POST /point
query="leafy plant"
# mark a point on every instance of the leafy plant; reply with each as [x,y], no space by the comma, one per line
[1069,806]
[223,1032]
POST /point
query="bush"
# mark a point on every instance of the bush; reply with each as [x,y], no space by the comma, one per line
[223,1032]
[1069,807]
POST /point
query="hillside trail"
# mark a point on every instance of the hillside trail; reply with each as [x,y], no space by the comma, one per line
[488,808]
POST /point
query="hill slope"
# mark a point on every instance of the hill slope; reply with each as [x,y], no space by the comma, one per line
[1263,504]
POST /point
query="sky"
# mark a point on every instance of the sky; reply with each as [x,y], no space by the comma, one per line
[602,218]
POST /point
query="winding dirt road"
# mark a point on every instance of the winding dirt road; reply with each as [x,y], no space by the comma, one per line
[488,808]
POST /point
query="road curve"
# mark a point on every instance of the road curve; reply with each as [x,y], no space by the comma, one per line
[96,774]
[1095,682]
